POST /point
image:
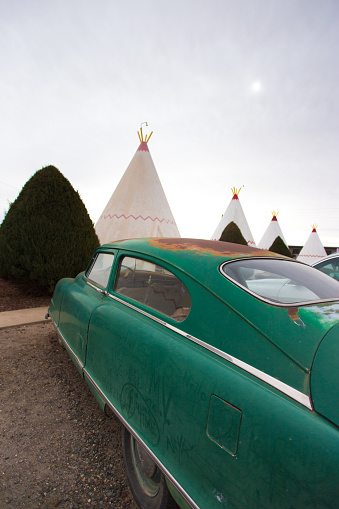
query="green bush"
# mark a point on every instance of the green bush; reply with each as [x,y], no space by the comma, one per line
[233,234]
[47,233]
[280,247]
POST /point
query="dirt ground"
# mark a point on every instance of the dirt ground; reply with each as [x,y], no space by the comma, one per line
[57,448]
[16,295]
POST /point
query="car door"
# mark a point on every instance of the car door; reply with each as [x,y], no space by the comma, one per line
[80,300]
[151,375]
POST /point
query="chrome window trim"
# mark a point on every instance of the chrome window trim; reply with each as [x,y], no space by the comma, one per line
[289,391]
[264,299]
[91,263]
[100,290]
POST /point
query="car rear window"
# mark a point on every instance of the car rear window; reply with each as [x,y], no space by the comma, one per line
[154,286]
[281,281]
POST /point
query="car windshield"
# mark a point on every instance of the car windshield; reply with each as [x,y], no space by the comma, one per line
[281,281]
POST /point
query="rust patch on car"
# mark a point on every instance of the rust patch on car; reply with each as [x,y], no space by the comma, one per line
[293,314]
[213,247]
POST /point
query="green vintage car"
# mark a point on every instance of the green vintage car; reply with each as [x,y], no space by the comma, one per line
[221,361]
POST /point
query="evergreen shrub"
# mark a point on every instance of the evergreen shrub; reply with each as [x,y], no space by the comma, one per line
[233,234]
[47,233]
[280,247]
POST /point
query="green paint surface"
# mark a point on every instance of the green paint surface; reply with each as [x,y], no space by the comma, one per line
[228,438]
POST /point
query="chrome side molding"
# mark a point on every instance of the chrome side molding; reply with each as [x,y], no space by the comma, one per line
[289,391]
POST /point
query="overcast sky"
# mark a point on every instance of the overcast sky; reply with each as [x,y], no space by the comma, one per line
[237,92]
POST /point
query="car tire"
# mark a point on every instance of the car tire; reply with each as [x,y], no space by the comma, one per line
[147,482]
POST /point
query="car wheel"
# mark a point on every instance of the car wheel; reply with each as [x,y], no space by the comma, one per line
[146,480]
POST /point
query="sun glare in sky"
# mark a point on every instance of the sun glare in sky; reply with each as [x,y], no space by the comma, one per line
[256,87]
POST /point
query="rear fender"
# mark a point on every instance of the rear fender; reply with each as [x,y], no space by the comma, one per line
[56,302]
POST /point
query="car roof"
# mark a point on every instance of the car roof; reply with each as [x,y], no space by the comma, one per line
[198,257]
[178,251]
[169,247]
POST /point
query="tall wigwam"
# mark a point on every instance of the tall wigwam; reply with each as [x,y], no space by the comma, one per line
[138,207]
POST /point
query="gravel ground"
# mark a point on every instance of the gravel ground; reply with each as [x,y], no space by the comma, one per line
[57,448]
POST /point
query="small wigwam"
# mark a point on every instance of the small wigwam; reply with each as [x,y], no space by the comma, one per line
[313,249]
[273,238]
[138,207]
[235,213]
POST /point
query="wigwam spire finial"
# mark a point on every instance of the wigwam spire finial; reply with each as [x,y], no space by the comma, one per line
[141,136]
[236,191]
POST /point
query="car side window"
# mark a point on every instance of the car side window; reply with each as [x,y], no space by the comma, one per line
[100,269]
[151,284]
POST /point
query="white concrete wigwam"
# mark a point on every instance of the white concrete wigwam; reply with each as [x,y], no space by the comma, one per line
[313,249]
[272,232]
[138,207]
[235,213]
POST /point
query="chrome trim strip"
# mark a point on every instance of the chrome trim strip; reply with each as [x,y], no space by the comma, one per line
[265,299]
[114,297]
[93,286]
[68,348]
[136,436]
[270,380]
[289,391]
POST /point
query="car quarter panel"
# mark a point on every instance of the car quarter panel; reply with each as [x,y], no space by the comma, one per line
[58,294]
[217,322]
[294,330]
[165,386]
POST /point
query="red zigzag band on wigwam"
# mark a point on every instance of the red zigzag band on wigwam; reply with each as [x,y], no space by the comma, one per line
[310,256]
[135,218]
